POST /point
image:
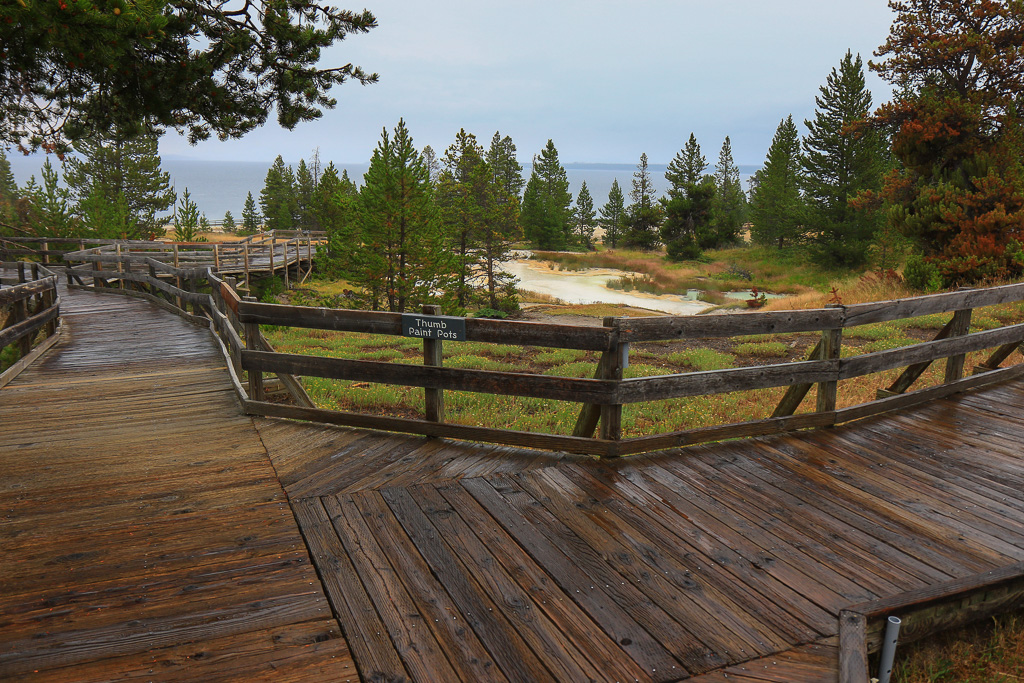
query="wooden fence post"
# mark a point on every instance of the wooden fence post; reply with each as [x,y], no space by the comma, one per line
[46,253]
[433,355]
[120,267]
[286,285]
[216,257]
[960,325]
[831,345]
[245,255]
[49,299]
[252,342]
[618,360]
[97,280]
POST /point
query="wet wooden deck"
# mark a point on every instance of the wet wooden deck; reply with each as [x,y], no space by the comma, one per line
[150,534]
[144,532]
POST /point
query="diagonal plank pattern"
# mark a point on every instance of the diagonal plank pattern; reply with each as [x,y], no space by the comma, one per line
[722,562]
[144,531]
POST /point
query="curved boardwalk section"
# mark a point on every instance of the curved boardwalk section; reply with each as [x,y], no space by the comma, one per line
[144,532]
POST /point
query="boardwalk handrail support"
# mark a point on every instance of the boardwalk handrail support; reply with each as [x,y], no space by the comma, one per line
[29,314]
[826,366]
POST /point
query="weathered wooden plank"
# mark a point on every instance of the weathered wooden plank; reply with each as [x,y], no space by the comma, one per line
[772,425]
[738,324]
[881,311]
[924,395]
[885,360]
[19,366]
[29,325]
[9,295]
[458,379]
[852,648]
[723,381]
[552,442]
[367,634]
[611,614]
[514,657]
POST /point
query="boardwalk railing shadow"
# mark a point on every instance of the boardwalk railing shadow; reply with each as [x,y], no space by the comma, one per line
[598,429]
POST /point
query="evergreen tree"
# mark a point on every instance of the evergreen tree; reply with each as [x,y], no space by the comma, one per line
[250,219]
[8,192]
[229,222]
[776,206]
[729,208]
[462,188]
[501,227]
[46,210]
[687,167]
[643,215]
[277,198]
[431,162]
[396,262]
[336,203]
[686,230]
[107,218]
[305,187]
[546,214]
[501,156]
[584,218]
[838,164]
[123,165]
[186,219]
[613,215]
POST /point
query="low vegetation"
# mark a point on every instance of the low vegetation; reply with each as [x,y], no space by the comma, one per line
[989,652]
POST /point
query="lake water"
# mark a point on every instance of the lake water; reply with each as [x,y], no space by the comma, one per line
[219,186]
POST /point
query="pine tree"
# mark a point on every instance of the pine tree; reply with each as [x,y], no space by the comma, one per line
[277,198]
[643,215]
[686,230]
[776,206]
[46,210]
[8,192]
[501,228]
[186,219]
[729,208]
[501,156]
[123,165]
[305,187]
[401,243]
[107,218]
[687,167]
[336,205]
[839,163]
[463,203]
[613,215]
[431,162]
[229,222]
[250,219]
[585,218]
[546,214]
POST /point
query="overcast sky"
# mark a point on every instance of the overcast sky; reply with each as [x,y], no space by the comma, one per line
[606,81]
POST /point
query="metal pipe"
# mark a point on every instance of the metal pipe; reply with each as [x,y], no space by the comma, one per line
[892,634]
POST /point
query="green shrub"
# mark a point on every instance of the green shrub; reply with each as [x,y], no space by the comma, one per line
[922,275]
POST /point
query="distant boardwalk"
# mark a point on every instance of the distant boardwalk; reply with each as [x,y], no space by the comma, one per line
[147,533]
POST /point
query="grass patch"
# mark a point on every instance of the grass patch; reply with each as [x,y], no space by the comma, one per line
[702,359]
[989,652]
[762,349]
[469,362]
[560,356]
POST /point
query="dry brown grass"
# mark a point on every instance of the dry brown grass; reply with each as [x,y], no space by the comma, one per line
[989,652]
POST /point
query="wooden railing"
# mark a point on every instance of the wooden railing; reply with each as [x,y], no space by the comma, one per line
[263,254]
[598,430]
[29,314]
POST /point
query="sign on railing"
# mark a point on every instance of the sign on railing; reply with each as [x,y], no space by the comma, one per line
[444,327]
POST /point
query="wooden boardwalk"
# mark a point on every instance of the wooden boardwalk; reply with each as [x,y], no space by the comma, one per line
[145,533]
